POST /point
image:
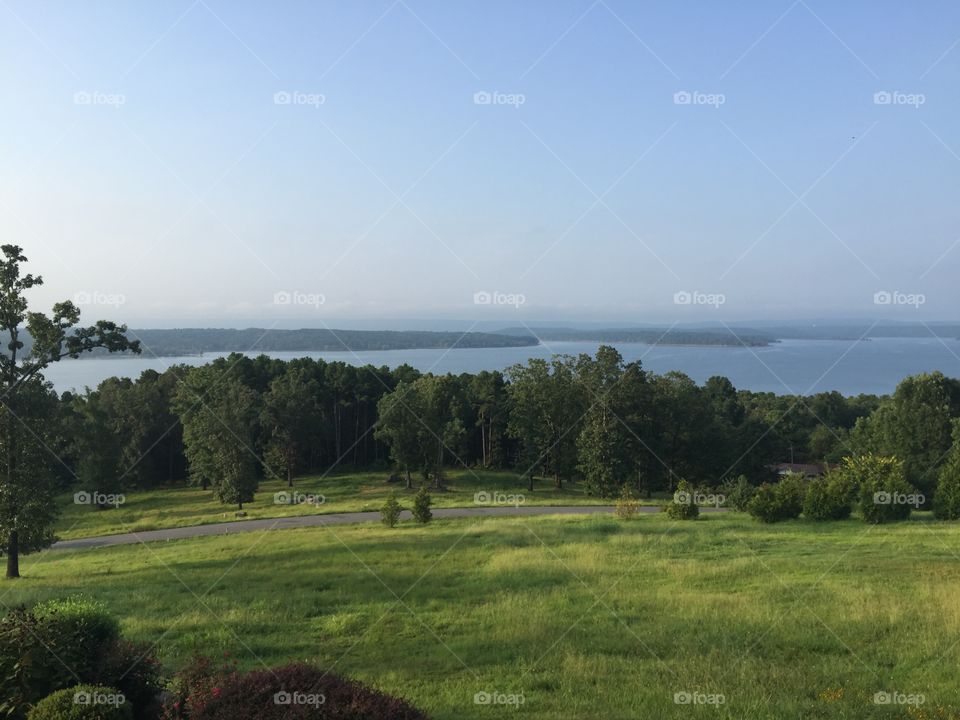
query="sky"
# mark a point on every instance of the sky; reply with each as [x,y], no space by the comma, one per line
[230,163]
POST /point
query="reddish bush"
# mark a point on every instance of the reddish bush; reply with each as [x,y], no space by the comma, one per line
[287,693]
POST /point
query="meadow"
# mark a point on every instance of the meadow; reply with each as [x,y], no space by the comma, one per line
[181,505]
[577,617]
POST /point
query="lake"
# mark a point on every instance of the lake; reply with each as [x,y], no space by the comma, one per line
[791,366]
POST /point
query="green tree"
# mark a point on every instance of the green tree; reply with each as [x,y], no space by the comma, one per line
[884,493]
[421,505]
[55,337]
[946,504]
[390,512]
[290,414]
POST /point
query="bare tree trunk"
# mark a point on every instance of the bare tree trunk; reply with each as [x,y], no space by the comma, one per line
[13,555]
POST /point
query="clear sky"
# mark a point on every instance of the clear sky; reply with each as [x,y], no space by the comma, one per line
[329,161]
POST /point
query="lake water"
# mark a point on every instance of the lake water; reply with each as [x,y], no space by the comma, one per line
[791,366]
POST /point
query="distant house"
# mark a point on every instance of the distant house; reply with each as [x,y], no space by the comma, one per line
[809,470]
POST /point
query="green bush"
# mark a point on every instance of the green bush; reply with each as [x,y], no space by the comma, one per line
[80,634]
[683,507]
[782,501]
[421,505]
[738,493]
[390,512]
[627,505]
[946,503]
[828,498]
[885,495]
[83,702]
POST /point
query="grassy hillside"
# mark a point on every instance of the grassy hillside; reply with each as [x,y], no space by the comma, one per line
[586,617]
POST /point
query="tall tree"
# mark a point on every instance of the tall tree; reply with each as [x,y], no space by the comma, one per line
[289,417]
[54,338]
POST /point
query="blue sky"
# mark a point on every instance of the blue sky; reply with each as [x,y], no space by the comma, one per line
[150,161]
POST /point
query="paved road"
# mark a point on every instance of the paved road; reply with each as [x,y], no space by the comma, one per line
[300,521]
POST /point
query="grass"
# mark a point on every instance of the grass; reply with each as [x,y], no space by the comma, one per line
[587,617]
[180,506]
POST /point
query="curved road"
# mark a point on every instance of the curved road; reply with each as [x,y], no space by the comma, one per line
[301,521]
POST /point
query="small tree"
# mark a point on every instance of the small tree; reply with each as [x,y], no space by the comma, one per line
[390,512]
[421,505]
[683,507]
[627,505]
[783,501]
[738,493]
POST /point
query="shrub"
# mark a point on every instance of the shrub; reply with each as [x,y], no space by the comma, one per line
[738,493]
[783,501]
[83,702]
[196,684]
[885,495]
[946,503]
[79,633]
[297,691]
[390,512]
[828,498]
[421,505]
[627,505]
[77,630]
[683,507]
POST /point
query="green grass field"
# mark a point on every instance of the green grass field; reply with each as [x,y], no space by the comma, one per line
[180,506]
[586,617]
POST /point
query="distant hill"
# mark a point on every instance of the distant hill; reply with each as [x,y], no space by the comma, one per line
[651,336]
[196,341]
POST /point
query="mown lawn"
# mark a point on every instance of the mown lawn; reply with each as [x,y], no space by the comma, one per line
[586,617]
[180,506]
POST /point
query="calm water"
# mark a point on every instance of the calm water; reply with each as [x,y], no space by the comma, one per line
[791,366]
